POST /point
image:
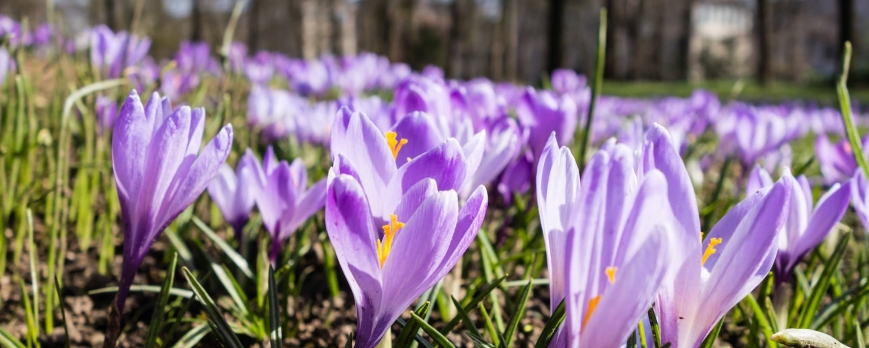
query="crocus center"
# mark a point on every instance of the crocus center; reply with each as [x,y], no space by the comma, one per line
[384,246]
[592,304]
[394,144]
[710,249]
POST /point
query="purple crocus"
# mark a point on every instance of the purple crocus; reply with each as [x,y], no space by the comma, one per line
[396,231]
[111,52]
[605,241]
[284,199]
[806,224]
[712,275]
[836,160]
[860,197]
[159,171]
[234,191]
[543,112]
[107,113]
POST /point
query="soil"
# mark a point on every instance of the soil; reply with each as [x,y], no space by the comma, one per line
[320,321]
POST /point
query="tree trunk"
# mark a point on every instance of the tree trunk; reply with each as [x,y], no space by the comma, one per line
[846,26]
[556,27]
[764,16]
[253,26]
[110,14]
[511,39]
[196,22]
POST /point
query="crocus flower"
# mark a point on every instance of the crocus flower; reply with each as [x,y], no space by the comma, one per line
[176,83]
[159,171]
[717,272]
[423,234]
[234,191]
[605,241]
[517,177]
[112,52]
[860,197]
[836,160]
[543,112]
[421,127]
[806,225]
[107,112]
[284,199]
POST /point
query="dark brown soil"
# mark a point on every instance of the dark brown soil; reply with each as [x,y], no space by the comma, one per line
[318,320]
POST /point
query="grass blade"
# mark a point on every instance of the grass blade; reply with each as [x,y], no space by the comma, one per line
[518,314]
[62,312]
[655,328]
[469,324]
[275,335]
[7,340]
[475,301]
[595,92]
[192,337]
[709,342]
[551,327]
[233,255]
[839,305]
[409,331]
[761,319]
[215,318]
[432,332]
[159,311]
[820,288]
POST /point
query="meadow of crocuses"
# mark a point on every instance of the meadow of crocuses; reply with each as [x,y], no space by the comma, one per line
[232,198]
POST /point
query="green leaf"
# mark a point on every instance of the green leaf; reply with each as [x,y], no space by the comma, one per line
[709,342]
[820,288]
[144,288]
[479,341]
[215,318]
[192,337]
[432,332]
[761,319]
[419,339]
[475,301]
[9,341]
[839,305]
[518,313]
[656,328]
[233,255]
[62,312]
[275,335]
[159,311]
[409,331]
[469,324]
[551,327]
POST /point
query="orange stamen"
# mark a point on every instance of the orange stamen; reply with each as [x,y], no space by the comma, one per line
[385,246]
[710,249]
[394,144]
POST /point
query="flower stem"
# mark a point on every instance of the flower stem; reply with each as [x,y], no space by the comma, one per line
[595,92]
[845,105]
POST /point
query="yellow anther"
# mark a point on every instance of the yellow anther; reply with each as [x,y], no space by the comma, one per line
[710,249]
[592,305]
[389,230]
[611,274]
[394,144]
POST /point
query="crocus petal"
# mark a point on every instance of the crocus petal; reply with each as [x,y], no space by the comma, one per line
[558,185]
[130,141]
[449,160]
[309,204]
[357,138]
[627,300]
[351,231]
[758,179]
[202,171]
[469,221]
[744,259]
[421,134]
[829,211]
